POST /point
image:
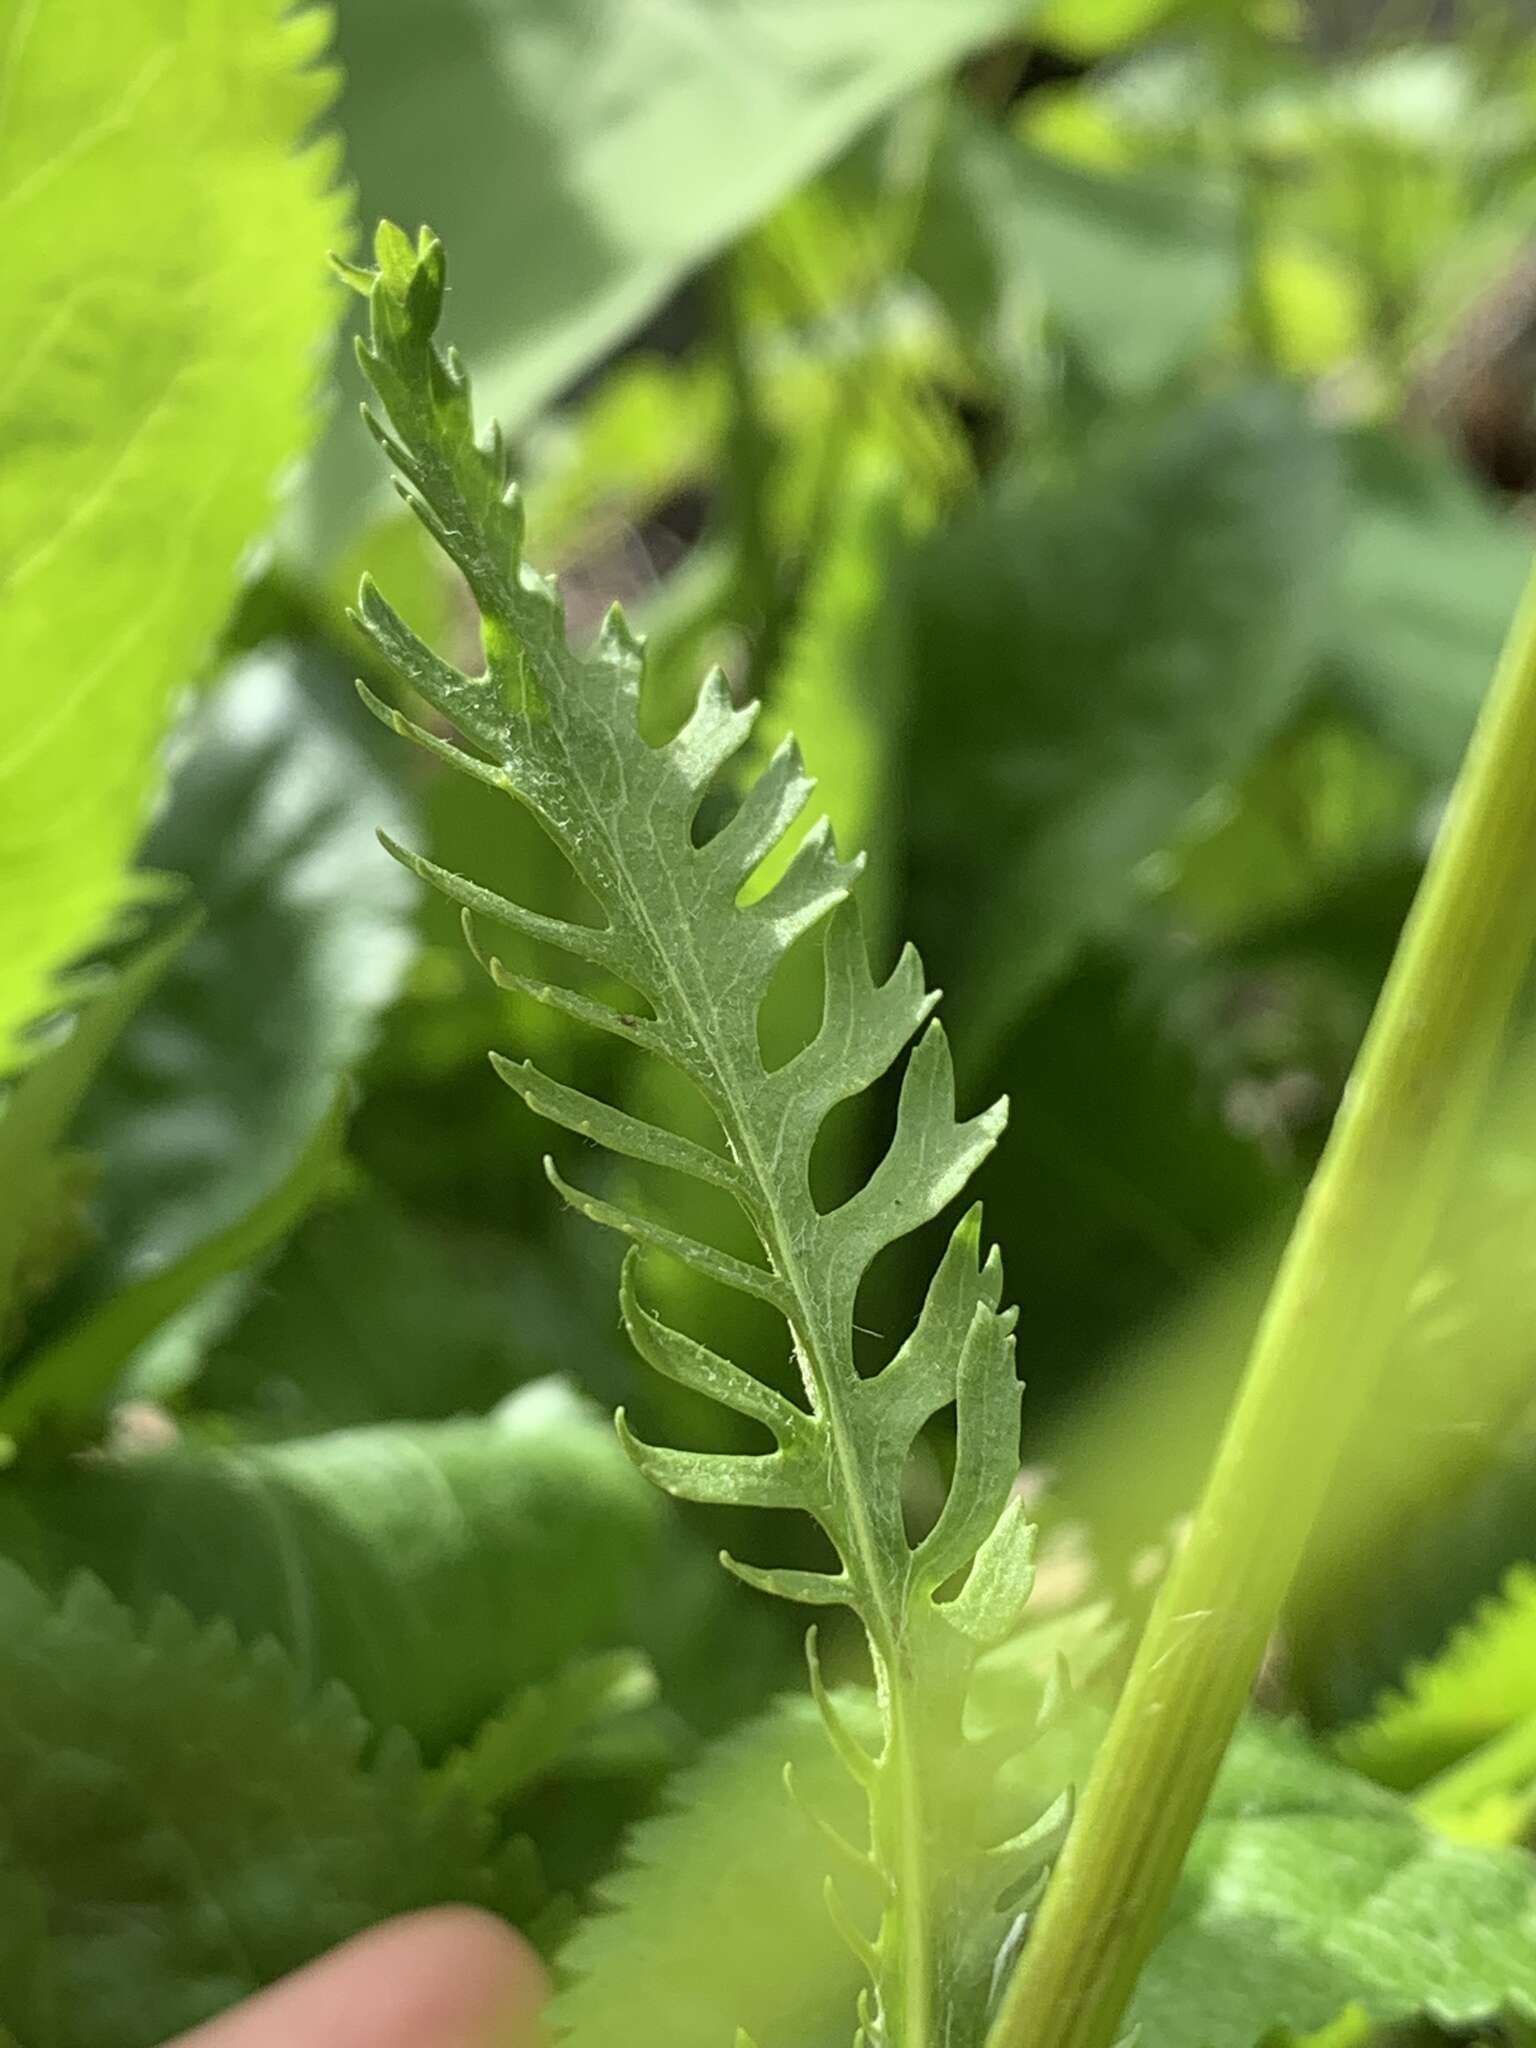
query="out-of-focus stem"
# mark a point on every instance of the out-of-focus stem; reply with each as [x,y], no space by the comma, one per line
[1316,1364]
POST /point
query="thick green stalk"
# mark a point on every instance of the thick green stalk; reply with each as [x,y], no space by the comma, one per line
[1316,1363]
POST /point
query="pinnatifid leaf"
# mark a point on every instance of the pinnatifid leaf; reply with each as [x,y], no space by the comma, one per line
[155,1885]
[682,925]
[772,1963]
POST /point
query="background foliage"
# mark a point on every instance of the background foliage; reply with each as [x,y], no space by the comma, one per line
[1103,431]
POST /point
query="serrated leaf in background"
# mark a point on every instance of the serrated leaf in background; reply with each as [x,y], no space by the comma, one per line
[150,402]
[549,1727]
[186,1823]
[433,1569]
[714,1918]
[1309,1889]
[1482,1681]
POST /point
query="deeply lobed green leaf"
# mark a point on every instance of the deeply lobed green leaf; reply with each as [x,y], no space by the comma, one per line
[728,1843]
[680,924]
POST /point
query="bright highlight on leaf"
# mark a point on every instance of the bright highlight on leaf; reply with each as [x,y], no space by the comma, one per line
[560,733]
[159,330]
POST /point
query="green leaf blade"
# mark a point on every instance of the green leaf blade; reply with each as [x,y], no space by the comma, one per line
[702,951]
[159,1887]
[151,399]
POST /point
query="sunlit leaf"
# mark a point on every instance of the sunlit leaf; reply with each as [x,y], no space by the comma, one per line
[150,400]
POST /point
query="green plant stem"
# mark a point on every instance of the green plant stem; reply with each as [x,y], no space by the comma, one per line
[1505,1766]
[1316,1361]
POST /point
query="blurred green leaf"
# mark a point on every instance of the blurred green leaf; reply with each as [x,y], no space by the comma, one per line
[1010,235]
[35,1116]
[216,1089]
[1355,1633]
[151,399]
[651,427]
[182,1823]
[1428,580]
[1094,653]
[645,1970]
[581,162]
[66,1383]
[1481,1683]
[1324,801]
[1309,1889]
[545,1727]
[433,1569]
[373,1315]
[1091,27]
[1124,1188]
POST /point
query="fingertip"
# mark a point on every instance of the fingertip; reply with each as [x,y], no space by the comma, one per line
[446,1977]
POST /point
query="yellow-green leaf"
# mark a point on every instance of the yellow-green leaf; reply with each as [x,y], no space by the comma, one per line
[165,222]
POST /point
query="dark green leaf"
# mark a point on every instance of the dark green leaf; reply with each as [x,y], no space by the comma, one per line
[67,1383]
[372,1315]
[433,1569]
[1093,655]
[1428,581]
[181,1823]
[220,1083]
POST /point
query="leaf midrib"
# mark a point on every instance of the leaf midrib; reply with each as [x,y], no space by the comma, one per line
[732,1104]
